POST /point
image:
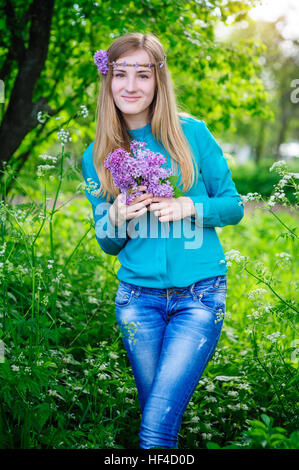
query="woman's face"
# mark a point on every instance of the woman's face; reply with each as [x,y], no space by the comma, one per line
[134,82]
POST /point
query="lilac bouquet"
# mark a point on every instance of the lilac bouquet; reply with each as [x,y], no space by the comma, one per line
[143,168]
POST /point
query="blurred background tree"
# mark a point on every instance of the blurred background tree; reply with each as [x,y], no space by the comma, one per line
[280,61]
[46,64]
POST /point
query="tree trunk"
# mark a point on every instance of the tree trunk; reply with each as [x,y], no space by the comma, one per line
[20,116]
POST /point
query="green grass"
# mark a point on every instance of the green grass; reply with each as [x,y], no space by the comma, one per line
[65,377]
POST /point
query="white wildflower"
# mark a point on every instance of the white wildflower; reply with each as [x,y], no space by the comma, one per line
[64,136]
[84,111]
[278,166]
[210,387]
[2,250]
[256,293]
[283,259]
[274,336]
[250,197]
[42,169]
[113,355]
[102,376]
[234,255]
[211,399]
[45,157]
[195,419]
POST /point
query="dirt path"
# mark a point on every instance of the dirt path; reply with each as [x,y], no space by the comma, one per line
[250,206]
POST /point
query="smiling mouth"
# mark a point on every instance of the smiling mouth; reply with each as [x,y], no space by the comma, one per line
[131,98]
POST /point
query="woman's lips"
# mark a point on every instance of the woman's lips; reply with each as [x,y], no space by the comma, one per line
[127,98]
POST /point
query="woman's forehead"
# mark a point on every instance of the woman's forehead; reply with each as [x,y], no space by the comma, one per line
[140,56]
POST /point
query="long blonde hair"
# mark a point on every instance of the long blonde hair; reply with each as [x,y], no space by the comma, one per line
[111,130]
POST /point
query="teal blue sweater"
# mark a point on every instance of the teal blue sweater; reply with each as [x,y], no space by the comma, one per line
[172,258]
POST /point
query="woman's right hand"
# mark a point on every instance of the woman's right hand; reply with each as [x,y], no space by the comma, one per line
[119,212]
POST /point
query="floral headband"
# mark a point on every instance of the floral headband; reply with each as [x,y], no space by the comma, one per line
[101,61]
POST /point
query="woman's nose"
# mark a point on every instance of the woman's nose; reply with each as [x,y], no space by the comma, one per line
[131,84]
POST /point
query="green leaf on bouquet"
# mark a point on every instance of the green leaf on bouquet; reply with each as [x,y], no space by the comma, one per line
[173,180]
[176,190]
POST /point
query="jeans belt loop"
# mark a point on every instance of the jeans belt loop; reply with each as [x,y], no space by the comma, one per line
[191,290]
[136,291]
[217,282]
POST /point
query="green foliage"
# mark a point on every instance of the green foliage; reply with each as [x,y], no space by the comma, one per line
[252,178]
[176,190]
[264,134]
[66,381]
[262,435]
[213,79]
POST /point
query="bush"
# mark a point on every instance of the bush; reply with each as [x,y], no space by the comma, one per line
[257,178]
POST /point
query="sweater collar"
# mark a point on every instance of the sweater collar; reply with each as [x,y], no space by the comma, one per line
[141,133]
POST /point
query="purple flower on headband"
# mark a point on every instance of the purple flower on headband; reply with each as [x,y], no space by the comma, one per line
[101,61]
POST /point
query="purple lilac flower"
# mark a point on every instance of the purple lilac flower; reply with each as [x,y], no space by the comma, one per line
[143,168]
[101,60]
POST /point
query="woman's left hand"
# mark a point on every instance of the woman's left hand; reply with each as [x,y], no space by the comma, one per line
[171,208]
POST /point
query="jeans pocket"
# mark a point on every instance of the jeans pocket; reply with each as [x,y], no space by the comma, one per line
[213,300]
[123,296]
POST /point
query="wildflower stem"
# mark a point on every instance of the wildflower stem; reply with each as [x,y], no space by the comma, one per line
[255,350]
[44,216]
[53,299]
[76,248]
[276,216]
[268,285]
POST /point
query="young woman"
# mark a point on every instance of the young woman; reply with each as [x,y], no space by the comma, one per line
[171,297]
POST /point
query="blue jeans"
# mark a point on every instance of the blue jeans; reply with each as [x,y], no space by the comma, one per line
[170,336]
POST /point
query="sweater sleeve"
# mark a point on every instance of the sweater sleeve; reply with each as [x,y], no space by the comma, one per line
[222,205]
[110,238]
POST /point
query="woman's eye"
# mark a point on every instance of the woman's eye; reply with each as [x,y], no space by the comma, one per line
[122,75]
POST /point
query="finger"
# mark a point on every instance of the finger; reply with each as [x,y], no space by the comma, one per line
[140,205]
[137,214]
[157,206]
[166,217]
[144,197]
[166,212]
[158,199]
